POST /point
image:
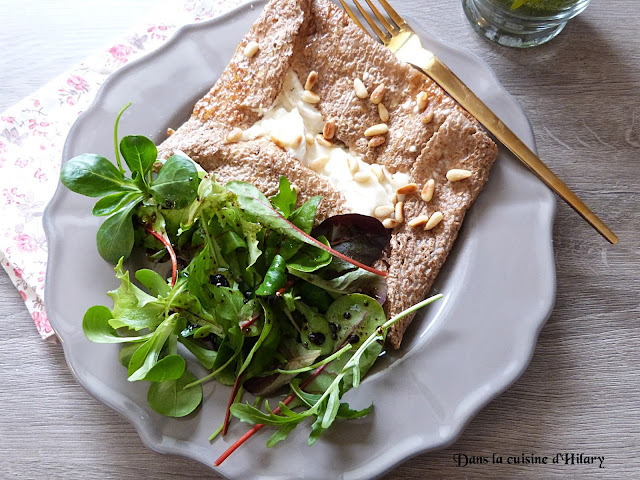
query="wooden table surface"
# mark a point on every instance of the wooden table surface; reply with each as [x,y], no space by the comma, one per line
[581,391]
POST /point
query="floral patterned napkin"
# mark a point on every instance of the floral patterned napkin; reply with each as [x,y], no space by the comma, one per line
[32,135]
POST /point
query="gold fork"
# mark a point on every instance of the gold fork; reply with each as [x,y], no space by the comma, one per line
[406,45]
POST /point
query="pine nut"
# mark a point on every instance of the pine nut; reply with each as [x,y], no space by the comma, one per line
[434,220]
[422,100]
[377,171]
[312,79]
[413,149]
[378,93]
[457,174]
[251,49]
[329,130]
[383,112]
[407,189]
[309,138]
[318,164]
[428,189]
[383,211]
[170,131]
[234,135]
[427,117]
[389,223]
[379,129]
[365,76]
[361,90]
[376,141]
[419,220]
[323,141]
[310,97]
[399,211]
[353,165]
[362,177]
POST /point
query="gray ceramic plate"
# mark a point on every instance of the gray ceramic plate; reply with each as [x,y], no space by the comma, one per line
[499,286]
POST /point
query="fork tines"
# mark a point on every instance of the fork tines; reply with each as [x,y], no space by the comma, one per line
[392,29]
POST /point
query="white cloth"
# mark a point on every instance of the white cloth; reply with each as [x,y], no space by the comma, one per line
[32,135]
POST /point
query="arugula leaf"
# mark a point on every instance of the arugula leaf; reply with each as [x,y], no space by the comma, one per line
[285,200]
[139,153]
[93,176]
[172,399]
[280,434]
[250,414]
[348,413]
[316,430]
[176,185]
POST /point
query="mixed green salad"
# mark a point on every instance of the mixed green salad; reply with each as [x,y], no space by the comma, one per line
[262,299]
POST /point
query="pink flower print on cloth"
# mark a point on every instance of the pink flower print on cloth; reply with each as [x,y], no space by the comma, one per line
[78,83]
[25,243]
[42,322]
[32,137]
[120,53]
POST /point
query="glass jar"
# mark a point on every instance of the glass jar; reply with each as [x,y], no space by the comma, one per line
[521,23]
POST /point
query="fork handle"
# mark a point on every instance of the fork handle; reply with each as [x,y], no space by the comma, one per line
[448,80]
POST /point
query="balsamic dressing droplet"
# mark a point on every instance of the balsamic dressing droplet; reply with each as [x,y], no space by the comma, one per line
[317,338]
[347,315]
[353,339]
[218,280]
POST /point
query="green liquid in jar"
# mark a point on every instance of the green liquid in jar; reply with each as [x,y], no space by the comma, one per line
[538,6]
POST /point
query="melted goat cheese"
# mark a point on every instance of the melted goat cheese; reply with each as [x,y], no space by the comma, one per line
[291,120]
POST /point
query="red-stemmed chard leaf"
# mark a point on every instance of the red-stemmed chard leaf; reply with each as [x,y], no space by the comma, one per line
[255,203]
[256,428]
[359,237]
[167,244]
